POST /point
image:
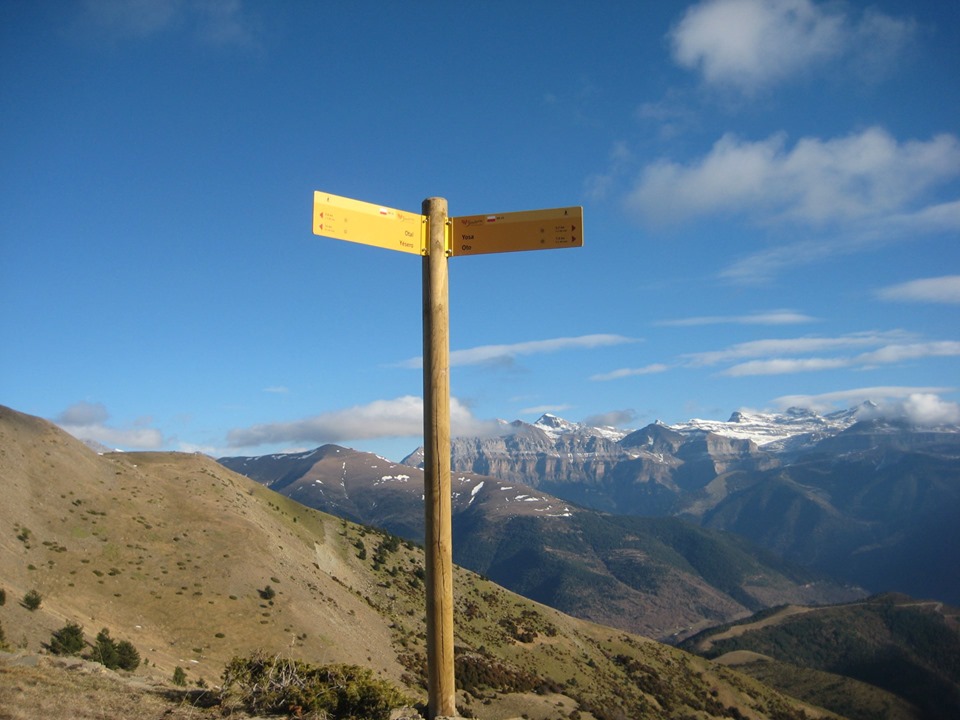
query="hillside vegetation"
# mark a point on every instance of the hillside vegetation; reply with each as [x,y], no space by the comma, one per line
[196,565]
[664,578]
[908,648]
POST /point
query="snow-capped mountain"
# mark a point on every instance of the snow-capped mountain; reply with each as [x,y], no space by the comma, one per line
[775,429]
[554,427]
[853,493]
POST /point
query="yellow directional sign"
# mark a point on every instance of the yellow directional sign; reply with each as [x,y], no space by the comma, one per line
[510,232]
[362,222]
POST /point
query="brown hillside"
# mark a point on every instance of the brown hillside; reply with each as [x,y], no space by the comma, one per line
[170,552]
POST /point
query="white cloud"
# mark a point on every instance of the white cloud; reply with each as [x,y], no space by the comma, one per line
[890,354]
[749,45]
[541,409]
[630,372]
[918,405]
[864,176]
[87,421]
[928,409]
[944,289]
[773,317]
[792,346]
[613,418]
[83,413]
[782,366]
[845,398]
[498,353]
[400,417]
[886,355]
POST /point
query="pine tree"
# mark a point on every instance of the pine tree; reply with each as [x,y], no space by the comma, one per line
[127,656]
[105,650]
[68,640]
[179,676]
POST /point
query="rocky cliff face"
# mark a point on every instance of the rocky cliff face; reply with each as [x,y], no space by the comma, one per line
[864,498]
[644,472]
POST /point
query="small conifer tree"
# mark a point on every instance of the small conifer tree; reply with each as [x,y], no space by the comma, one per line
[127,656]
[68,640]
[179,676]
[32,600]
[105,650]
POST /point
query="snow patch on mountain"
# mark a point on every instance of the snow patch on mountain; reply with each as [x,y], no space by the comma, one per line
[555,427]
[767,428]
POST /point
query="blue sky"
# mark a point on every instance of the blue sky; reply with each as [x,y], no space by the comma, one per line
[771,196]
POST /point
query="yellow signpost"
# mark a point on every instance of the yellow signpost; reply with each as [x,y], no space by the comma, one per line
[362,222]
[436,237]
[514,231]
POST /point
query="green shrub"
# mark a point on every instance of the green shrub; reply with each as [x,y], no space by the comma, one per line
[268,593]
[32,600]
[128,656]
[105,650]
[115,654]
[68,640]
[179,676]
[262,684]
[3,596]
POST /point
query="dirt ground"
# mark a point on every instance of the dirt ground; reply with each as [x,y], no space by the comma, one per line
[37,687]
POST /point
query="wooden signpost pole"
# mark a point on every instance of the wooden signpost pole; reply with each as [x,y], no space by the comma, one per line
[436,435]
[362,222]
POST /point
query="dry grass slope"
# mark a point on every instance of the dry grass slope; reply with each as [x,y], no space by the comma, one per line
[173,551]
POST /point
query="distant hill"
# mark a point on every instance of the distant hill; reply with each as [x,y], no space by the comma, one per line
[175,553]
[664,578]
[869,501]
[908,648]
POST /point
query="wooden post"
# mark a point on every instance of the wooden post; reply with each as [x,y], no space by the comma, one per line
[441,688]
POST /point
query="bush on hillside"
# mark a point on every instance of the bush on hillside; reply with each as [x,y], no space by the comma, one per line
[262,684]
[179,676]
[68,640]
[115,654]
[32,600]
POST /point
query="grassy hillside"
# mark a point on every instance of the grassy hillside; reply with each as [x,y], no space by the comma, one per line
[660,577]
[905,647]
[175,553]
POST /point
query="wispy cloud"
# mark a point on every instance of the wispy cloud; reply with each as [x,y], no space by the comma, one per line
[395,418]
[886,355]
[485,354]
[792,346]
[613,418]
[944,289]
[88,421]
[214,22]
[541,409]
[630,372]
[783,356]
[749,45]
[774,317]
[277,389]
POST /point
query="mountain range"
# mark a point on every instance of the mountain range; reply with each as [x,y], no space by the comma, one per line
[195,564]
[869,501]
[661,577]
